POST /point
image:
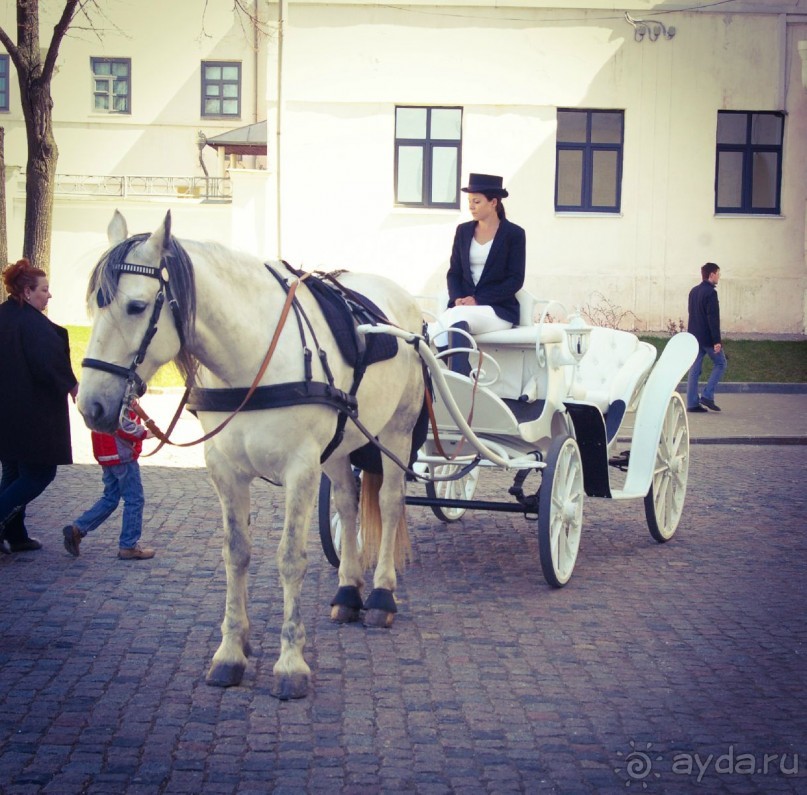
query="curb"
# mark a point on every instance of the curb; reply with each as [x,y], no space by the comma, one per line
[739,387]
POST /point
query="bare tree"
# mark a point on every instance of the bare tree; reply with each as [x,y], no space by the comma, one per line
[35,75]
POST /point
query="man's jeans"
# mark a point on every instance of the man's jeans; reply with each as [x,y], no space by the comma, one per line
[719,362]
[20,484]
[121,481]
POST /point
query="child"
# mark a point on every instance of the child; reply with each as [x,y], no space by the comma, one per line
[117,454]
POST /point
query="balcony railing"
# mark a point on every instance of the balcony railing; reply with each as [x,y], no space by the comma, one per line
[200,188]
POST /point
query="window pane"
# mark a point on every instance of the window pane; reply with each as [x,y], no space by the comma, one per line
[230,90]
[571,126]
[446,124]
[121,87]
[570,178]
[101,102]
[213,90]
[731,128]
[606,128]
[121,104]
[212,106]
[444,174]
[230,107]
[230,73]
[212,73]
[729,179]
[766,128]
[101,86]
[764,186]
[410,174]
[603,179]
[120,68]
[101,68]
[410,123]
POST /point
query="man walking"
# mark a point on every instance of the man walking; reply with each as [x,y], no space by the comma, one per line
[704,324]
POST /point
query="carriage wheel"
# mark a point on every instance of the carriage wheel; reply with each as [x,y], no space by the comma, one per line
[461,489]
[330,525]
[560,510]
[664,501]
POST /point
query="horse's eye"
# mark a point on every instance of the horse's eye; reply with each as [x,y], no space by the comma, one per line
[136,307]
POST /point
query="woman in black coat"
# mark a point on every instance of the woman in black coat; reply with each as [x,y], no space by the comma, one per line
[486,270]
[35,379]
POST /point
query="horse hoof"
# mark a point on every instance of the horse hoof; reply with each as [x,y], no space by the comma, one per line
[290,686]
[378,618]
[342,614]
[225,674]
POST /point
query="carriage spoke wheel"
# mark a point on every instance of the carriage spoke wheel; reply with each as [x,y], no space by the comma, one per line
[461,489]
[330,525]
[664,501]
[560,510]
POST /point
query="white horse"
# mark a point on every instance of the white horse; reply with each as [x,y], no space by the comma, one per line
[226,308]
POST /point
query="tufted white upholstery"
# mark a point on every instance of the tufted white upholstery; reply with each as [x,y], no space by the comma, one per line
[616,363]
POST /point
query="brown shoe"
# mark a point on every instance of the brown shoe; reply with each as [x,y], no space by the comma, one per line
[72,538]
[135,553]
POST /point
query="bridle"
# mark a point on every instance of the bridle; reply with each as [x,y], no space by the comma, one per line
[135,385]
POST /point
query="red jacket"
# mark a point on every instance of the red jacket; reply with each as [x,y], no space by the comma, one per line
[120,448]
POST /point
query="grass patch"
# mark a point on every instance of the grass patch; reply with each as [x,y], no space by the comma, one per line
[167,376]
[756,361]
[753,361]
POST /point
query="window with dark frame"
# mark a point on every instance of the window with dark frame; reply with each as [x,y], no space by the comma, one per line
[748,167]
[428,148]
[4,103]
[588,163]
[112,85]
[221,88]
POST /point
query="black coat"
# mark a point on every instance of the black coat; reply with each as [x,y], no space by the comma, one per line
[35,379]
[704,314]
[503,275]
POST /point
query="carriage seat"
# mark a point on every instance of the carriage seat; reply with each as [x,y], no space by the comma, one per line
[609,375]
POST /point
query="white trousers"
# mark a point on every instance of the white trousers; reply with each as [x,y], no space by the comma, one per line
[480,319]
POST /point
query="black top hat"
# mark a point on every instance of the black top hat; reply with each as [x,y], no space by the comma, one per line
[486,183]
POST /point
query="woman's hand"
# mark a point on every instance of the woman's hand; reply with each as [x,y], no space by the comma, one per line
[467,301]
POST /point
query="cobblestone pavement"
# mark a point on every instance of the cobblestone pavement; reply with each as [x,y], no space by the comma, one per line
[659,668]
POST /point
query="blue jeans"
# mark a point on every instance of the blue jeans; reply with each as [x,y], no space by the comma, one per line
[21,483]
[121,481]
[719,362]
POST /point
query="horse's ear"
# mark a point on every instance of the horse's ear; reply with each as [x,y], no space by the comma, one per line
[167,227]
[117,230]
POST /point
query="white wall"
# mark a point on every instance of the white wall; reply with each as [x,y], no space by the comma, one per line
[510,71]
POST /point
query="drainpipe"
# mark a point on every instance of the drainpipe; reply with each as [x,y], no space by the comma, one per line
[282,11]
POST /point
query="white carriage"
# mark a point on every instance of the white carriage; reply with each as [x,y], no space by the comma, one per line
[567,401]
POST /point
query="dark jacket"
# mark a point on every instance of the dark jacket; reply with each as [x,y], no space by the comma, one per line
[704,314]
[503,275]
[35,379]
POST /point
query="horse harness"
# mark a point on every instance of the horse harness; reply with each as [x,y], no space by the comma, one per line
[255,397]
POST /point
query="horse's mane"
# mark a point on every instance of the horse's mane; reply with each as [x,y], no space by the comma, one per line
[103,286]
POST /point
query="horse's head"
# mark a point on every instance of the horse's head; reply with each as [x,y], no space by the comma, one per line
[130,290]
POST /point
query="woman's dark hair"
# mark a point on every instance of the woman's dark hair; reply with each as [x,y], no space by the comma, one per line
[499,206]
[20,275]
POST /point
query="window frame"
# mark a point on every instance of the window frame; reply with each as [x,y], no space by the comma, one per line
[205,82]
[428,145]
[748,150]
[587,149]
[5,71]
[112,79]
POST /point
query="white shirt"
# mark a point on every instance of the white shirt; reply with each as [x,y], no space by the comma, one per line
[478,257]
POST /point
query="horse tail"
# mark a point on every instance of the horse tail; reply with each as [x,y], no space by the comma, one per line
[370,523]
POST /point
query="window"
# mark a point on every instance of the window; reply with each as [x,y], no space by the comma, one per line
[3,82]
[427,156]
[221,88]
[588,167]
[112,85]
[748,176]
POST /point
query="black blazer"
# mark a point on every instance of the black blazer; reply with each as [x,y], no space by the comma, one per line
[503,275]
[35,379]
[704,314]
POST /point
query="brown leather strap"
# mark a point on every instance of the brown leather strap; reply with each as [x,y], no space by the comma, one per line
[163,437]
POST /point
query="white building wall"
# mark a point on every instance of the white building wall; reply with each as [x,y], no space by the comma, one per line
[510,70]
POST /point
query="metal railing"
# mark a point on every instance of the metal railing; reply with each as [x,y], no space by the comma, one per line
[204,188]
